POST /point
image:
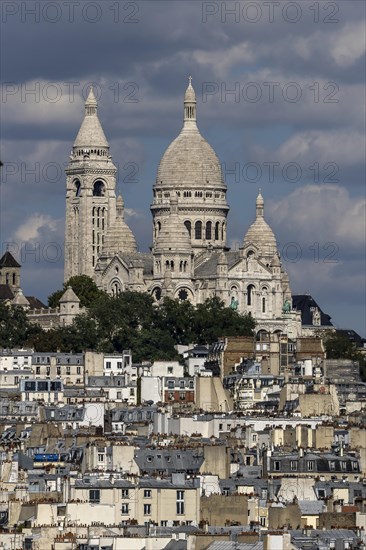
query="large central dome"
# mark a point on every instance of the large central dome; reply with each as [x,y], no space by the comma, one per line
[191,171]
[189,161]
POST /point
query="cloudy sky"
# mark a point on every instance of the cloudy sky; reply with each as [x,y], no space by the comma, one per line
[280,89]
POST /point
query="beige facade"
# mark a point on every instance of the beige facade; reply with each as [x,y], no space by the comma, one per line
[190,259]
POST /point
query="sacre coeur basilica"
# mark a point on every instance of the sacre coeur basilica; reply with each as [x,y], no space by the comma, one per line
[189,258]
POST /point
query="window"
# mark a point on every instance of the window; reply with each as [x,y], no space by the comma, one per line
[68,370]
[276,465]
[171,384]
[182,396]
[311,465]
[147,493]
[94,496]
[98,189]
[217,228]
[78,370]
[293,464]
[332,465]
[147,509]
[188,227]
[181,384]
[58,370]
[355,465]
[125,493]
[108,365]
[124,508]
[209,230]
[263,305]
[250,293]
[262,520]
[38,370]
[119,364]
[180,502]
[100,457]
[198,230]
[170,370]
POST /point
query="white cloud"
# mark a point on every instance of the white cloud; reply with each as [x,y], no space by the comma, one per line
[221,61]
[34,227]
[323,214]
[41,102]
[346,146]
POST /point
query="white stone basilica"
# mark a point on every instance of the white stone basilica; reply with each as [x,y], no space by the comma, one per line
[189,258]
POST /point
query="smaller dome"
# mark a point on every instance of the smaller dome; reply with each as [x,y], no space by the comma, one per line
[275,262]
[119,237]
[173,235]
[259,233]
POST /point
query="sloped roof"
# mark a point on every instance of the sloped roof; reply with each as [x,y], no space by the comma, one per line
[35,303]
[8,260]
[6,293]
[303,302]
[209,267]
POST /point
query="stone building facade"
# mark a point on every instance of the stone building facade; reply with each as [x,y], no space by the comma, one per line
[190,259]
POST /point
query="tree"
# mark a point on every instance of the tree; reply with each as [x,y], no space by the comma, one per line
[213,320]
[85,289]
[15,329]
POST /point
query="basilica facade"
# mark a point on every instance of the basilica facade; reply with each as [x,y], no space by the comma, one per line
[189,259]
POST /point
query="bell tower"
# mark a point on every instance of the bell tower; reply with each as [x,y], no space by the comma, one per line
[90,194]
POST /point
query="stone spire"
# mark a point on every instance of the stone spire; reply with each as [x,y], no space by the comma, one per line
[91,104]
[91,133]
[190,105]
[259,205]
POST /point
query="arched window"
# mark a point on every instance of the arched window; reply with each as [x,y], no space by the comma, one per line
[157,293]
[198,230]
[208,231]
[263,305]
[7,279]
[188,226]
[250,295]
[14,279]
[98,189]
[116,288]
[217,231]
[77,186]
